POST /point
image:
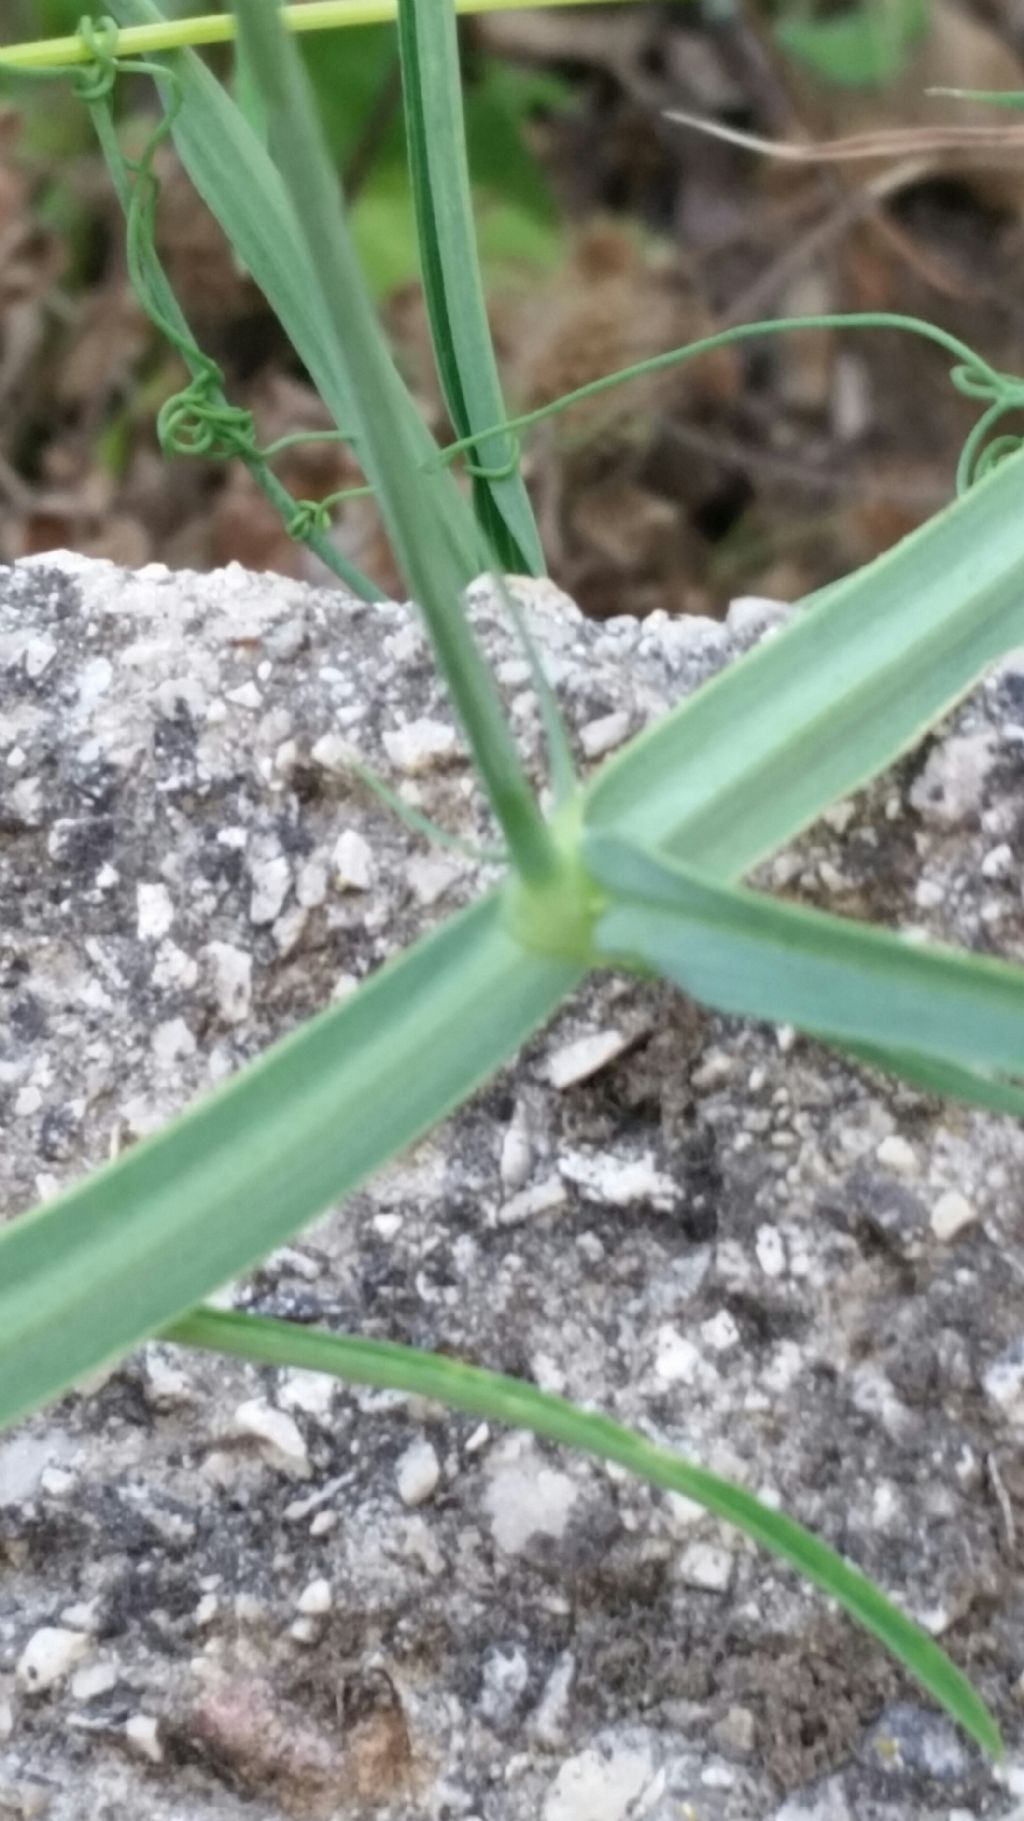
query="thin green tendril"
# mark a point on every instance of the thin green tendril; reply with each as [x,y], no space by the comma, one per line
[478,472]
[94,81]
[972,375]
[199,419]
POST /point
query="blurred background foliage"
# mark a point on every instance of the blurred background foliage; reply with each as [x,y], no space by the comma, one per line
[608,233]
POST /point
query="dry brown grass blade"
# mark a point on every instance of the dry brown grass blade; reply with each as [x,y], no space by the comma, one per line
[886,142]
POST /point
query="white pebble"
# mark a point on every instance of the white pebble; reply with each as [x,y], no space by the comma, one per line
[142,1732]
[316,1599]
[230,972]
[951,788]
[720,1332]
[430,875]
[706,1565]
[895,1154]
[1004,1382]
[998,862]
[525,1498]
[418,1473]
[951,1214]
[419,745]
[578,1061]
[676,1359]
[619,1182]
[94,1680]
[311,884]
[154,911]
[752,613]
[279,1437]
[770,1251]
[541,1198]
[602,736]
[516,1150]
[49,1656]
[312,1392]
[352,861]
[271,882]
[600,1785]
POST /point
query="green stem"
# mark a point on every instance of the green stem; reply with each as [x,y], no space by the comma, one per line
[219,28]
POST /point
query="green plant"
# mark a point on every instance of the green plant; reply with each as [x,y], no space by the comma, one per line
[866,45]
[636,869]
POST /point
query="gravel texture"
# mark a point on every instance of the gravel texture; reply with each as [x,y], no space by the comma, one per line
[233,1594]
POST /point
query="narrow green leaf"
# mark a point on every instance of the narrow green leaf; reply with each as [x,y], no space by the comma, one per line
[141,1241]
[820,707]
[748,954]
[430,527]
[945,1079]
[522,1406]
[463,350]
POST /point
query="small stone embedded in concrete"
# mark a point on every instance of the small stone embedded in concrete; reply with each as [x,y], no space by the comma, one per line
[94,1680]
[155,911]
[753,615]
[277,1434]
[619,1182]
[603,735]
[952,1214]
[420,746]
[311,883]
[600,1784]
[311,1392]
[770,1250]
[999,862]
[142,1732]
[516,1158]
[706,1565]
[352,862]
[48,1658]
[952,785]
[167,1385]
[171,1042]
[720,1332]
[230,974]
[506,1672]
[577,1061]
[23,1461]
[525,1498]
[736,1732]
[271,883]
[418,1473]
[1003,1382]
[430,876]
[316,1599]
[676,1360]
[334,754]
[894,1153]
[540,1198]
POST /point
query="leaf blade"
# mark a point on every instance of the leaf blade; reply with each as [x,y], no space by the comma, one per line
[88,1275]
[821,706]
[750,955]
[463,349]
[429,523]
